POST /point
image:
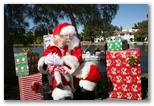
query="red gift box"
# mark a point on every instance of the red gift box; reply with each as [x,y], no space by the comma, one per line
[31,87]
[124,80]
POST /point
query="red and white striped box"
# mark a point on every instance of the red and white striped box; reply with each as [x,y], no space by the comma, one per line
[124,80]
[25,87]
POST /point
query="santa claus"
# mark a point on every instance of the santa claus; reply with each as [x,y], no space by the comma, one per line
[86,74]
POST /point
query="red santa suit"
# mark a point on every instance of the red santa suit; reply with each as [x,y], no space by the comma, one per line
[87,72]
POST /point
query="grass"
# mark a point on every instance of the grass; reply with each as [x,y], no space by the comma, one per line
[11,89]
[144,75]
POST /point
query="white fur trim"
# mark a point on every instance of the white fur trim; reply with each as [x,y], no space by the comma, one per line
[71,61]
[68,30]
[87,85]
[40,65]
[83,70]
[61,93]
[73,43]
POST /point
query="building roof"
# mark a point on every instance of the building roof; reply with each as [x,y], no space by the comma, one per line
[123,32]
[120,32]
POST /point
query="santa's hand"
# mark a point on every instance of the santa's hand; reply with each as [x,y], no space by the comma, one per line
[49,59]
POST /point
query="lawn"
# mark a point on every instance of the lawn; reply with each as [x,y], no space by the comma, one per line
[11,88]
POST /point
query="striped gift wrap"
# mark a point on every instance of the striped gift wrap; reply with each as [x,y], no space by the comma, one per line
[25,86]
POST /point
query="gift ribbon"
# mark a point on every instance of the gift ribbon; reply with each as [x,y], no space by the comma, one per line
[35,86]
[26,50]
[132,60]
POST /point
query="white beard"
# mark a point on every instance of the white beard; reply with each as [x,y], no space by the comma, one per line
[68,42]
[73,43]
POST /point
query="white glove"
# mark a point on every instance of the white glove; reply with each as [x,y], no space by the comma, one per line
[49,59]
[58,60]
[53,59]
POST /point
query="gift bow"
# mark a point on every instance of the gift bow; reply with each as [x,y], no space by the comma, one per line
[26,50]
[132,60]
[35,86]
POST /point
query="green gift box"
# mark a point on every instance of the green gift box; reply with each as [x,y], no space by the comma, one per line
[117,44]
[26,63]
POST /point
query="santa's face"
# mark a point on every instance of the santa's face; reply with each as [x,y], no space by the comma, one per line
[69,37]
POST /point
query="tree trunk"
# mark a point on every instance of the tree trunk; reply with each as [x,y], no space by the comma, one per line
[72,18]
[9,66]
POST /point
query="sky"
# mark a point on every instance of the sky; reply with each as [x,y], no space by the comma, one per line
[127,16]
[130,14]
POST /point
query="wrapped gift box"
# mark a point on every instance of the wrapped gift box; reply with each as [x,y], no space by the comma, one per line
[26,63]
[31,87]
[117,44]
[124,79]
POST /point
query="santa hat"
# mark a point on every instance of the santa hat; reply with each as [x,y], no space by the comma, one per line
[64,28]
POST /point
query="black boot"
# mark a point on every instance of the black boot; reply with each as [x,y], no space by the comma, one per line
[66,98]
[82,94]
[88,95]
